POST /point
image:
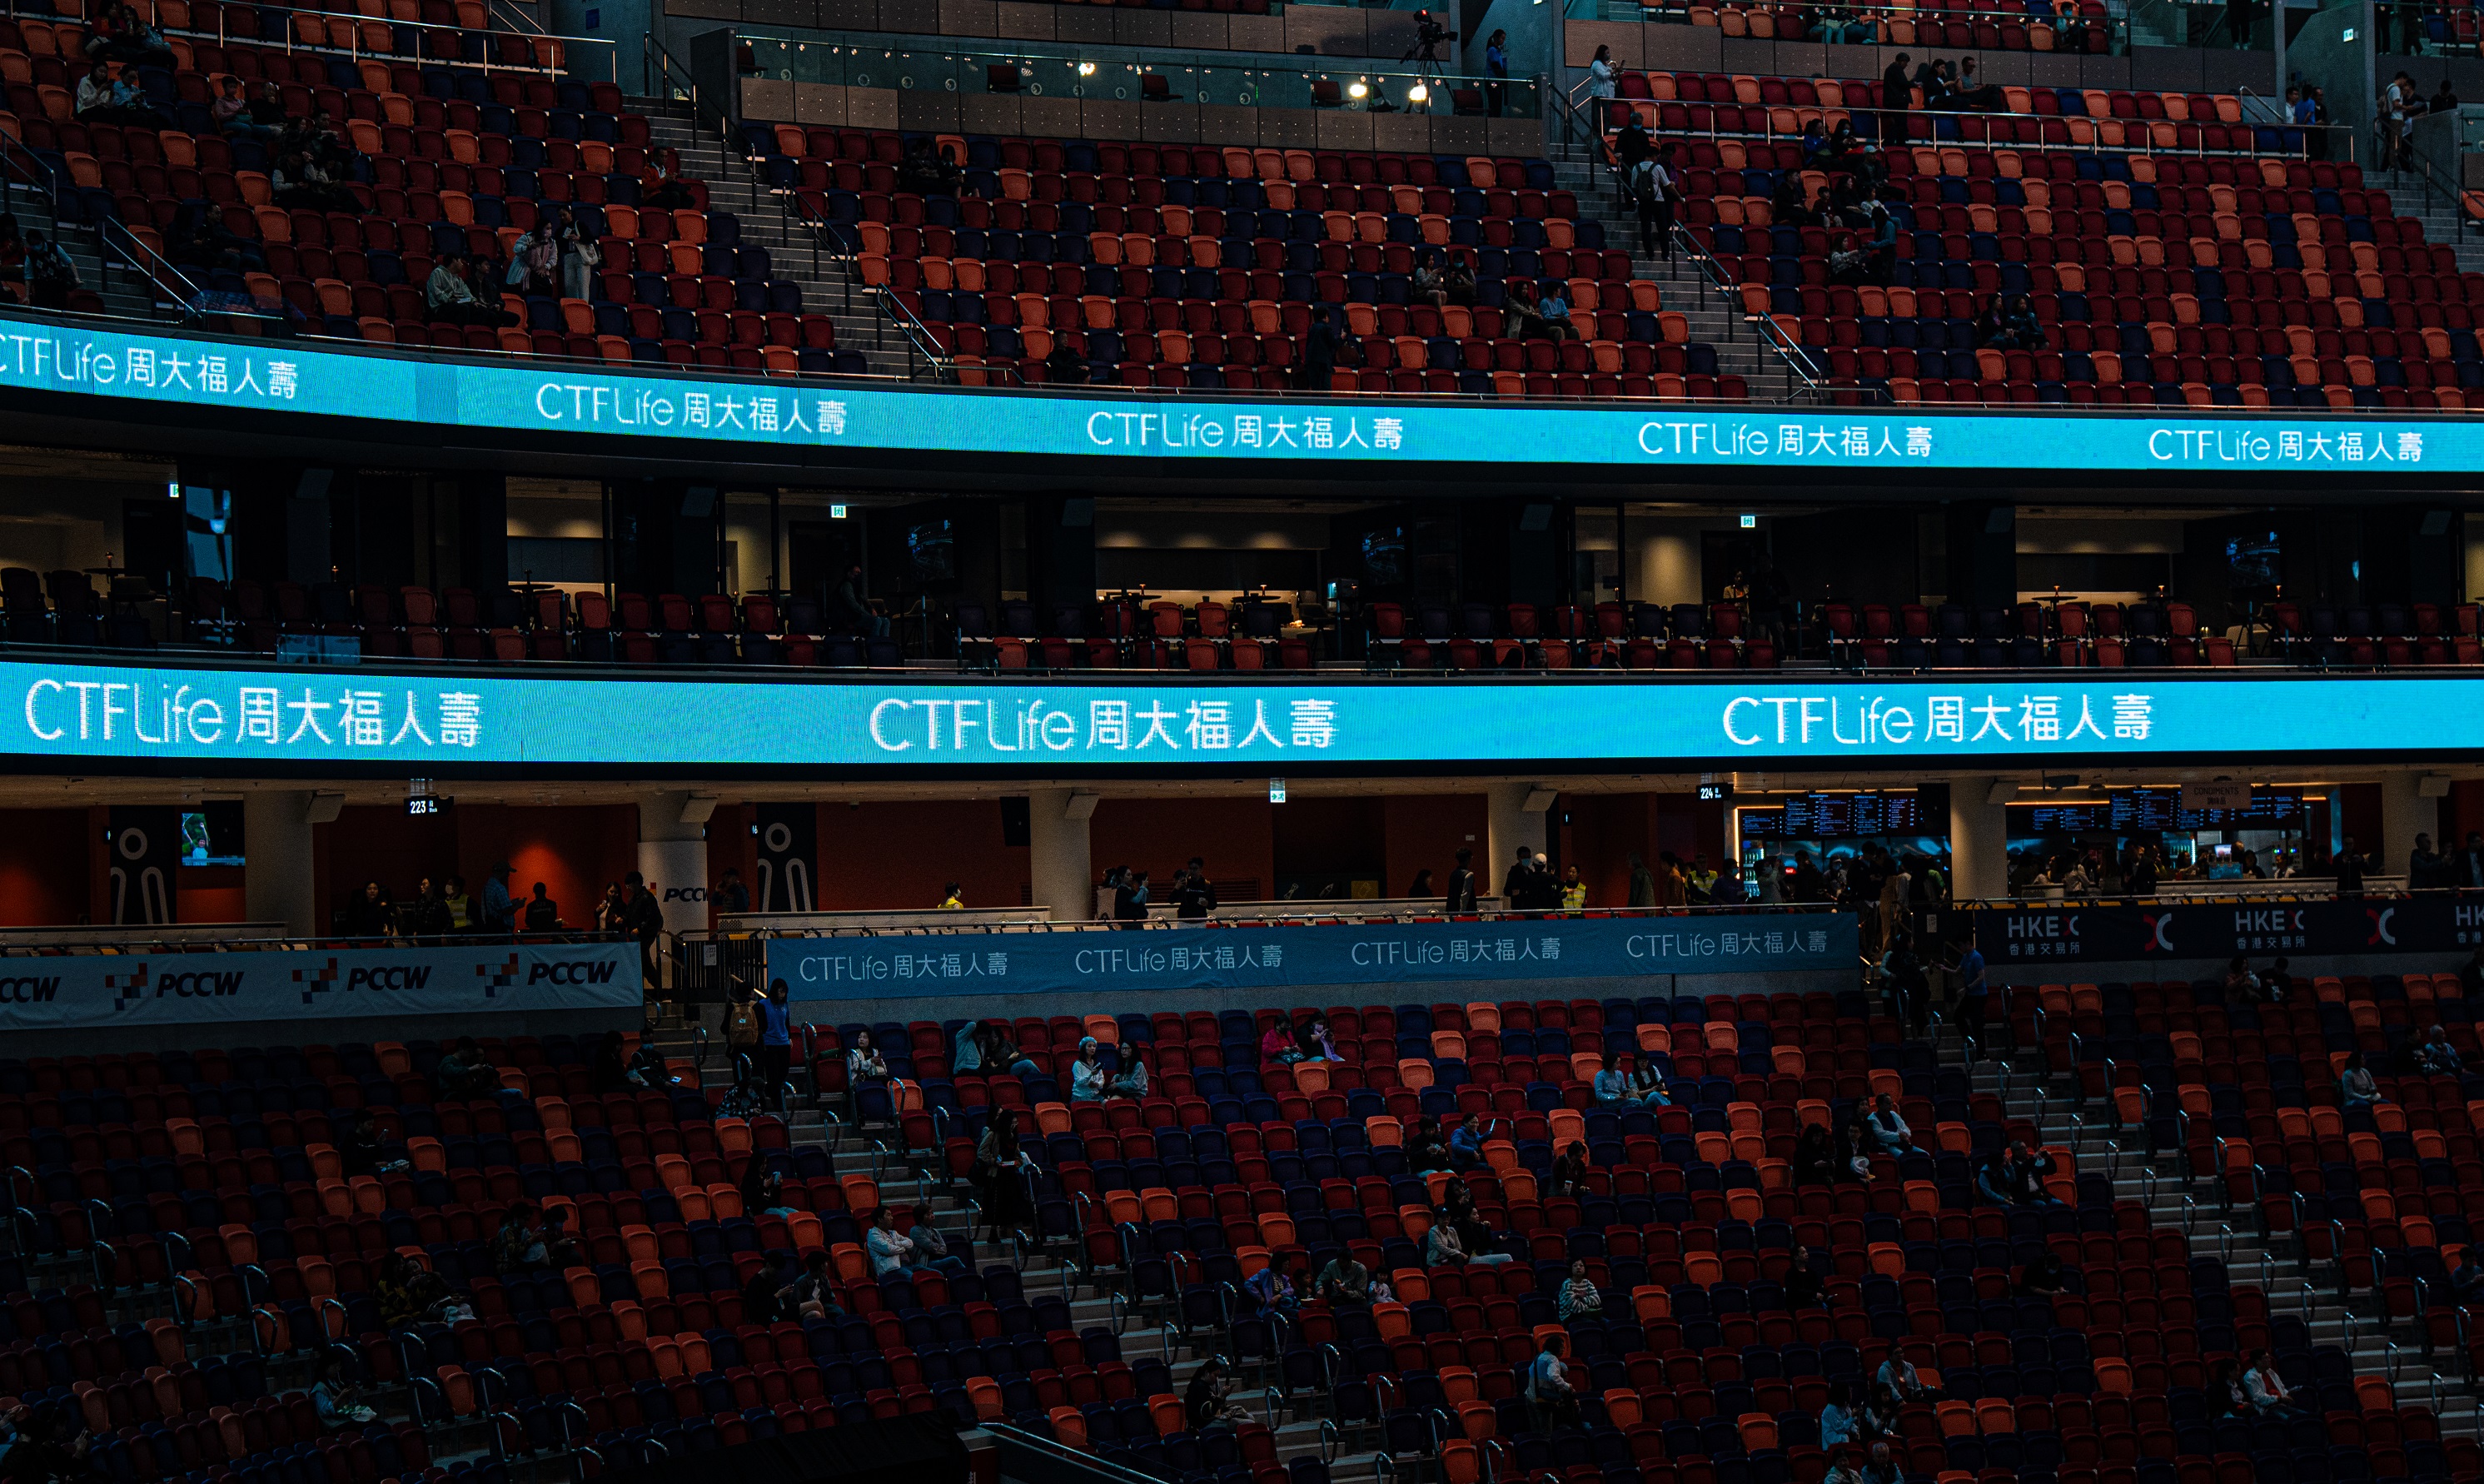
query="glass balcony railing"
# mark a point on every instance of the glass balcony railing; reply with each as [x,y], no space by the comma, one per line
[1380,88]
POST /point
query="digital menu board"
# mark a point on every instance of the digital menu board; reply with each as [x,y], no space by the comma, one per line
[2155,811]
[1835,817]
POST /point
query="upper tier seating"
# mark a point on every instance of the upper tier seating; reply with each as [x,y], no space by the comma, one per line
[1199,266]
[2172,255]
[450,156]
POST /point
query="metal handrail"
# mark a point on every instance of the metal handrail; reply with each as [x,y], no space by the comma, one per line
[2093,143]
[291,42]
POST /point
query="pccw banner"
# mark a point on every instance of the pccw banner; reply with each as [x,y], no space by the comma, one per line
[187,988]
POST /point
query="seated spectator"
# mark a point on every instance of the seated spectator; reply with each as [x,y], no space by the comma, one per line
[1521,317]
[1899,1376]
[763,1189]
[1612,1087]
[1277,1044]
[1466,1144]
[1346,1283]
[1843,1469]
[2023,1172]
[1087,1073]
[465,1072]
[448,299]
[1554,306]
[230,112]
[1001,1054]
[1569,1169]
[1132,1081]
[891,1250]
[93,101]
[609,1069]
[1209,1400]
[1878,1419]
[518,1247]
[2226,1389]
[1803,1289]
[2357,1084]
[1429,284]
[767,1281]
[1787,205]
[1459,281]
[1646,1083]
[1850,262]
[661,185]
[931,1245]
[2270,1397]
[2436,1057]
[1973,92]
[1317,1041]
[1443,1248]
[1065,367]
[1839,1424]
[2018,318]
[813,1295]
[1989,331]
[1547,1386]
[864,1064]
[1887,1131]
[1272,1289]
[1815,1158]
[1426,1151]
[301,181]
[2042,1278]
[1580,1298]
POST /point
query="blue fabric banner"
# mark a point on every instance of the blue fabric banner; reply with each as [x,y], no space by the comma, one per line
[1102,959]
[313,984]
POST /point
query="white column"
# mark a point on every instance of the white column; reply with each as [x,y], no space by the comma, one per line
[2405,813]
[672,857]
[278,880]
[1979,841]
[1508,824]
[1061,866]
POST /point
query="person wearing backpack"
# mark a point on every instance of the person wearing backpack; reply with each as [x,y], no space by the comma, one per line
[1651,186]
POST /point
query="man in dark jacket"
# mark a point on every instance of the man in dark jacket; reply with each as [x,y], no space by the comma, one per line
[853,611]
[1460,896]
[1320,347]
[1896,92]
[643,919]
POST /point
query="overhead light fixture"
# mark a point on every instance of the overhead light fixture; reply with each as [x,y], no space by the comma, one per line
[1357,91]
[1418,93]
[1086,69]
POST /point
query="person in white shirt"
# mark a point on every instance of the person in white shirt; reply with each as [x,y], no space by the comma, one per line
[891,1250]
[1887,1129]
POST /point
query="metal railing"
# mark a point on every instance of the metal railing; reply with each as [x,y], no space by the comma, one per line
[1581,128]
[357,46]
[1124,74]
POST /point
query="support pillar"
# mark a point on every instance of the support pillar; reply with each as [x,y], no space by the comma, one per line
[2405,813]
[1508,824]
[280,881]
[672,857]
[1979,841]
[1060,869]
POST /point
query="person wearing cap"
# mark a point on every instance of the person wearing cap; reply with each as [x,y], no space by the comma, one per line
[1087,1073]
[500,908]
